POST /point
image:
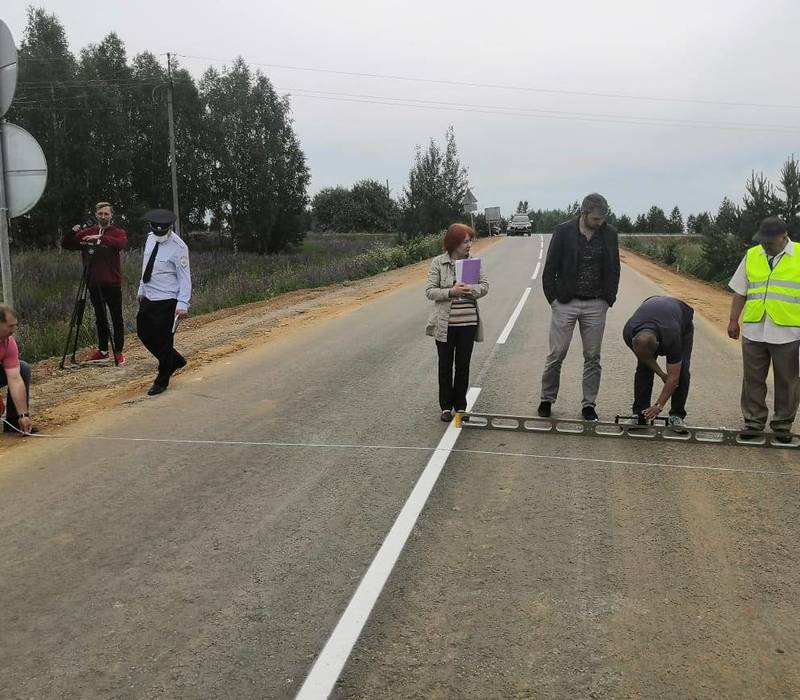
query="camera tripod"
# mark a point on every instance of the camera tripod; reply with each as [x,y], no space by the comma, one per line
[76,320]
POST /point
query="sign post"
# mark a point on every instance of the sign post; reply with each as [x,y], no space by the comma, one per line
[23,167]
[470,204]
[8,86]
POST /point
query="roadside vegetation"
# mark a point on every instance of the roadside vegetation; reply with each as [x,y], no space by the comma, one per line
[47,280]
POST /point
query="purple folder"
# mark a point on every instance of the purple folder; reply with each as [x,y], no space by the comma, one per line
[468,270]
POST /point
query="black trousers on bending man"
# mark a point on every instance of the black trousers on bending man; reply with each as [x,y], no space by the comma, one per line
[456,351]
[12,415]
[643,382]
[154,327]
[110,296]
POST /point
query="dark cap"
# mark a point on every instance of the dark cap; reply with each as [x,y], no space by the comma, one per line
[161,217]
[771,227]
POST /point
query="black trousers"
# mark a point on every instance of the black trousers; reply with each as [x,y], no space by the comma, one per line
[11,410]
[457,351]
[154,328]
[643,382]
[106,295]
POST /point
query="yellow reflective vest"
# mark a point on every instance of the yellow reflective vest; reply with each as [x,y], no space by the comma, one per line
[775,292]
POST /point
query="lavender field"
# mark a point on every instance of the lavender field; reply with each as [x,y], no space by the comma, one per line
[45,281]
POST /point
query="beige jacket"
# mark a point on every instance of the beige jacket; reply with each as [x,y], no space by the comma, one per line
[441,277]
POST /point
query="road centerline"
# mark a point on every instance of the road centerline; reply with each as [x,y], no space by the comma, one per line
[514,316]
[329,664]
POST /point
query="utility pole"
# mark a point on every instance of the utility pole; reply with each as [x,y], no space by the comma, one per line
[173,163]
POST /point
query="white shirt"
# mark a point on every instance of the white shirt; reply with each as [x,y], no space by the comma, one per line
[171,277]
[765,331]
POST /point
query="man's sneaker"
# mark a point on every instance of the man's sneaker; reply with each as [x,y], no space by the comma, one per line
[544,409]
[677,425]
[783,436]
[120,358]
[589,413]
[97,356]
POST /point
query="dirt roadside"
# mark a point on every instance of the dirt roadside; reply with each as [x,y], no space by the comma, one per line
[710,301]
[62,397]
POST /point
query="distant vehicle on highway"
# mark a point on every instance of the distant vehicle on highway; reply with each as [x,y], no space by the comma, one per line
[520,225]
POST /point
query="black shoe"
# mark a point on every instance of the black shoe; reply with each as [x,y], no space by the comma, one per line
[446,416]
[179,365]
[750,434]
[783,436]
[589,413]
[156,389]
[544,409]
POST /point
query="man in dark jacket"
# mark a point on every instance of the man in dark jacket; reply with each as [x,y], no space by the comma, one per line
[580,281]
[100,246]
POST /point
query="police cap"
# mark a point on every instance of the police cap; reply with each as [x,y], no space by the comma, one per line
[160,219]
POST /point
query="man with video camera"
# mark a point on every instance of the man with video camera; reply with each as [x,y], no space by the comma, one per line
[100,244]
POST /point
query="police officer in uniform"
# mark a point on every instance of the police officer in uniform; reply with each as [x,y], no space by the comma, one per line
[164,292]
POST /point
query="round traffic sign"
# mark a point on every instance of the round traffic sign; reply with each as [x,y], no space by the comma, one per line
[8,68]
[25,169]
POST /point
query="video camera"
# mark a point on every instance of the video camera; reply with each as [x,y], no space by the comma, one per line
[89,246]
[91,221]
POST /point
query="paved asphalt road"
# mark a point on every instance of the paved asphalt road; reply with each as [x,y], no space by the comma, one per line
[198,569]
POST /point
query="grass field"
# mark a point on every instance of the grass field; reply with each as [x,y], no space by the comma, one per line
[45,281]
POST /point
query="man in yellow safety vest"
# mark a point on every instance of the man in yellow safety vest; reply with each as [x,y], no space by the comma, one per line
[767,288]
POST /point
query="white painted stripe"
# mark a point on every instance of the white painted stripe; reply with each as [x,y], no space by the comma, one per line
[329,664]
[536,271]
[541,252]
[510,325]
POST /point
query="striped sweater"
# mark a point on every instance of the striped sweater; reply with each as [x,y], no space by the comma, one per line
[463,312]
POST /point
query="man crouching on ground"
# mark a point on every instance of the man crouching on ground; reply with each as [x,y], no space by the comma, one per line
[15,374]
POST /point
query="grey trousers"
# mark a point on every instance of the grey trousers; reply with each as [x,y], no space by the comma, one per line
[590,314]
[785,359]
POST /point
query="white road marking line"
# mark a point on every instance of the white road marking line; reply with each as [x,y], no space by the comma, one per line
[329,664]
[541,252]
[536,271]
[510,325]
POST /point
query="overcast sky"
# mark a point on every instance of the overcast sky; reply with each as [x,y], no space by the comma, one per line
[679,51]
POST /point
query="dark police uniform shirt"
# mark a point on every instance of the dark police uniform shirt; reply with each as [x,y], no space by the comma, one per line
[669,318]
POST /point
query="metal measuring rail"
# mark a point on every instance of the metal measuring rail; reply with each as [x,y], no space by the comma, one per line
[644,433]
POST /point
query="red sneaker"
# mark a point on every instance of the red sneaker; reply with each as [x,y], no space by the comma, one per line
[97,356]
[120,358]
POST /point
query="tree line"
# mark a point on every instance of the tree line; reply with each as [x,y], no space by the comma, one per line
[102,122]
[432,199]
[726,233]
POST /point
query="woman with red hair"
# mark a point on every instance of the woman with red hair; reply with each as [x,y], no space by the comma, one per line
[455,322]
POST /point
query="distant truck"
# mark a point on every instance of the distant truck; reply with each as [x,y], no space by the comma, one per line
[520,225]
